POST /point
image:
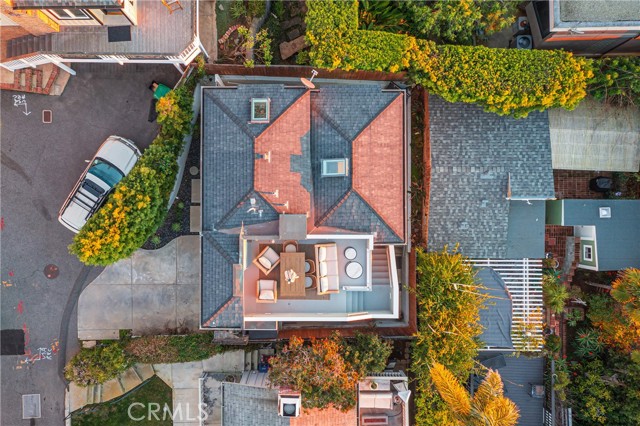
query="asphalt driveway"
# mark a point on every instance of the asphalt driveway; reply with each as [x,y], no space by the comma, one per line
[40,165]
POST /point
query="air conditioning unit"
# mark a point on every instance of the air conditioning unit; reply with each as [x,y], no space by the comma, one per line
[524,42]
[289,405]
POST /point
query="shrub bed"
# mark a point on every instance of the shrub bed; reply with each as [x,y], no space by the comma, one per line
[108,359]
[616,80]
[504,81]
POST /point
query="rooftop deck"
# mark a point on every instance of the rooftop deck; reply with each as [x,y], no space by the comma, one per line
[356,295]
[157,32]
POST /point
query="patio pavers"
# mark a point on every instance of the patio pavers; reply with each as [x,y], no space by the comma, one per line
[141,293]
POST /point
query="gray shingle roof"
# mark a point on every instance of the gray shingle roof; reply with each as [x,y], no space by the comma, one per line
[219,253]
[246,405]
[348,212]
[517,375]
[473,153]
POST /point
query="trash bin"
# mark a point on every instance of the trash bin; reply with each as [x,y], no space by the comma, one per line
[601,184]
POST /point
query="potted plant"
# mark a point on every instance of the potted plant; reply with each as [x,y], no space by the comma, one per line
[373,385]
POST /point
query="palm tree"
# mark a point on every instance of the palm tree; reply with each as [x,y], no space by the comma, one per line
[488,407]
[626,290]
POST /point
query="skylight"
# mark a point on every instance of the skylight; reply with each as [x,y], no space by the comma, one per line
[335,167]
[260,110]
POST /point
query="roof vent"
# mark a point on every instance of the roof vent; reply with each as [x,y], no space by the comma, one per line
[260,110]
[335,167]
[289,405]
[605,212]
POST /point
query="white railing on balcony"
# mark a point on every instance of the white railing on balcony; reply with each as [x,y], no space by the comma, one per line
[33,60]
[523,278]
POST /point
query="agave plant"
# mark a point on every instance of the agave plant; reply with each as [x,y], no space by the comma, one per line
[588,344]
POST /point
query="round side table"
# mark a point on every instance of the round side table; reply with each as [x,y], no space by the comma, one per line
[350,253]
[353,270]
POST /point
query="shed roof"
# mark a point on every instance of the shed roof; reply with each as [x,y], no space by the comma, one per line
[599,10]
[595,136]
[517,376]
[617,238]
[476,157]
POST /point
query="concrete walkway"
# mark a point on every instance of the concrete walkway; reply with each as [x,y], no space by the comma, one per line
[152,292]
[184,379]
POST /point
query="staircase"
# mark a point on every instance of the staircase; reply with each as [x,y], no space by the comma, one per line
[28,44]
[30,80]
[95,394]
[355,301]
[380,266]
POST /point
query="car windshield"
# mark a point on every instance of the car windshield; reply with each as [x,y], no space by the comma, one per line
[106,172]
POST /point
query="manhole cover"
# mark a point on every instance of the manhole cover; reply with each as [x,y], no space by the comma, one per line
[193,170]
[51,271]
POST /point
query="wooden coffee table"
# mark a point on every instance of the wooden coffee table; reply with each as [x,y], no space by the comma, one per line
[293,261]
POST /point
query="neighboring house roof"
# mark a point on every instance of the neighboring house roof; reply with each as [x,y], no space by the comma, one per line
[247,405]
[617,238]
[518,375]
[478,159]
[595,136]
[599,11]
[496,317]
[360,122]
[67,4]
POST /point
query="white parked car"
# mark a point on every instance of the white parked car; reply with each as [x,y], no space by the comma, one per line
[113,161]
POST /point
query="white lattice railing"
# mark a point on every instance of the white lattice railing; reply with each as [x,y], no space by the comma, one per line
[35,59]
[523,278]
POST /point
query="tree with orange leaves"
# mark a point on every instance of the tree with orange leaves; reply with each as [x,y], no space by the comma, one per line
[318,371]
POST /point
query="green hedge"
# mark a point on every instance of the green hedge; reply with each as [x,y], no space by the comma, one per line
[138,204]
[504,81]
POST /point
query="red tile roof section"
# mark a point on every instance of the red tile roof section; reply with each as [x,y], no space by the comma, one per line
[326,417]
[282,139]
[378,165]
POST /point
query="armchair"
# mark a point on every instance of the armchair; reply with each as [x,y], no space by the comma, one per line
[267,291]
[267,260]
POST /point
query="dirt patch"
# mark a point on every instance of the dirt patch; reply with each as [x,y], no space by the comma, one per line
[420,166]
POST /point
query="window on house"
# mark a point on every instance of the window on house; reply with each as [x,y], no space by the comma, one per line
[587,253]
[335,167]
[68,14]
[260,110]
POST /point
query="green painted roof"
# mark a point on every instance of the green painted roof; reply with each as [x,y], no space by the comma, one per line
[617,238]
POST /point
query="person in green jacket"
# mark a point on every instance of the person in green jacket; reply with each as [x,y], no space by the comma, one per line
[159,89]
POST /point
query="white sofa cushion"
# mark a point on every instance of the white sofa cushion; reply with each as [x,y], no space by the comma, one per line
[265,262]
[323,269]
[322,254]
[333,282]
[271,255]
[266,295]
[324,284]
